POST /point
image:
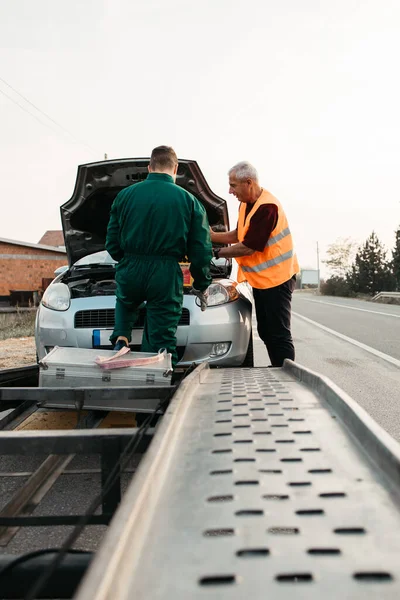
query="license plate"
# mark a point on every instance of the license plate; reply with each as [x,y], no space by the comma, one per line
[101,337]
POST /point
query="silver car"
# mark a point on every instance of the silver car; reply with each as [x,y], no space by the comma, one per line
[77,309]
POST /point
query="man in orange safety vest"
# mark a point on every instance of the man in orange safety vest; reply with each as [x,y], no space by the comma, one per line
[263,247]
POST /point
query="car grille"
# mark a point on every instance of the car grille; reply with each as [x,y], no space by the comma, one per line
[105,318]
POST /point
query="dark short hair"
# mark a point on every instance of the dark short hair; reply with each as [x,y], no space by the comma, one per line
[163,157]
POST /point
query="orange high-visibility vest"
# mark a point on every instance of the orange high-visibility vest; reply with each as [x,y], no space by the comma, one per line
[277,263]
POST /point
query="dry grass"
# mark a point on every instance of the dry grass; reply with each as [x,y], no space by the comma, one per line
[17,324]
[387,301]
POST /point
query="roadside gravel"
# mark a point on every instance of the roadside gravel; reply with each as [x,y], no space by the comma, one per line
[17,352]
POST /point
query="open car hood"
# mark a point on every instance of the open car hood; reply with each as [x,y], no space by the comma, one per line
[85,216]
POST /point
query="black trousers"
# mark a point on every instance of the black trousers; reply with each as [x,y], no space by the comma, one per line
[273,311]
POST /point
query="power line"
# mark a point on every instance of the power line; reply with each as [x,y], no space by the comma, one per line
[43,113]
[27,111]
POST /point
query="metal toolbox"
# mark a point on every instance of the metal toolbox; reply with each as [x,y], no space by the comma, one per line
[76,367]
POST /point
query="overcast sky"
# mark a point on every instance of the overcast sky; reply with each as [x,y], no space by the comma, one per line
[307,90]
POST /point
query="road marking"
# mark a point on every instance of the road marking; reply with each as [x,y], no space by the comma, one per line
[369,349]
[254,329]
[375,312]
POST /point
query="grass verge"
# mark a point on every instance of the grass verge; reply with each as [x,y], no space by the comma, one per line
[17,324]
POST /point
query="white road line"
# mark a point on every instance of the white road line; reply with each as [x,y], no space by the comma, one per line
[254,329]
[369,349]
[375,312]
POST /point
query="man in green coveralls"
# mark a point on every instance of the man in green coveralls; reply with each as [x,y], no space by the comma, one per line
[153,225]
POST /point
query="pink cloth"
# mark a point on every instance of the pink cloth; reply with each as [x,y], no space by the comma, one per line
[101,359]
[119,361]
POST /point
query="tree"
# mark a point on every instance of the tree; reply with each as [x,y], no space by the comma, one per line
[396,260]
[340,256]
[370,272]
[336,286]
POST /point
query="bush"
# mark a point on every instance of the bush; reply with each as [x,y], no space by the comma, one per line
[336,286]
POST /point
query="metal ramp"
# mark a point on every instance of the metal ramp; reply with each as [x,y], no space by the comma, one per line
[259,483]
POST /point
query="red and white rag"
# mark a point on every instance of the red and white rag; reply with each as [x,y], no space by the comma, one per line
[117,361]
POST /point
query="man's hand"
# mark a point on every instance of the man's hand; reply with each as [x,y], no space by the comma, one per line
[224,237]
[201,298]
[235,250]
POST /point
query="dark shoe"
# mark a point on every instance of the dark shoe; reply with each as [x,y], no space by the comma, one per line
[119,345]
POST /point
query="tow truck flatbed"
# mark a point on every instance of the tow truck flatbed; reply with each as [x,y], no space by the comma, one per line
[257,483]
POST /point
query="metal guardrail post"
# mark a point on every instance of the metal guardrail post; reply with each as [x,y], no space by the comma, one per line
[386,295]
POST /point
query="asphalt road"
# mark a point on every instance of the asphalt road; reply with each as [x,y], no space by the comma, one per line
[356,344]
[377,325]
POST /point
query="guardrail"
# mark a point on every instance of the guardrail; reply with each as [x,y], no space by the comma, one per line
[386,295]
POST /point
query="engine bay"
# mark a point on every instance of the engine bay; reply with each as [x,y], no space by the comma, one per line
[99,280]
[90,287]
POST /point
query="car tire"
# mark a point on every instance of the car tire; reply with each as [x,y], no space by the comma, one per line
[249,358]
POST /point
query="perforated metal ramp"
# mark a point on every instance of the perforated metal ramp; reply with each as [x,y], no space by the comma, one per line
[254,488]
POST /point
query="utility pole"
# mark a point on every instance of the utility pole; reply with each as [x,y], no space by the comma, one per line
[319,279]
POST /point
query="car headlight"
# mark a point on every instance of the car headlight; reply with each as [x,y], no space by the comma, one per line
[57,297]
[221,294]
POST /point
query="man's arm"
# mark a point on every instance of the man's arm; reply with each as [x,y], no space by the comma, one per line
[112,241]
[262,223]
[224,237]
[230,237]
[235,250]
[199,248]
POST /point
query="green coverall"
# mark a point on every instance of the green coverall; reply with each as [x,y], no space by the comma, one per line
[153,225]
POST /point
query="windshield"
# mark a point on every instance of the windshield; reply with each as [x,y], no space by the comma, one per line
[98,258]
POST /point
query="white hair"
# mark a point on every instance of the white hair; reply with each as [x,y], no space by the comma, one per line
[244,170]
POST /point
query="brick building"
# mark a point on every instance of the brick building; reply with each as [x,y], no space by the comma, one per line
[53,237]
[26,269]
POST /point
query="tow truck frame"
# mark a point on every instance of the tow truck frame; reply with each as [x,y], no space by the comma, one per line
[257,482]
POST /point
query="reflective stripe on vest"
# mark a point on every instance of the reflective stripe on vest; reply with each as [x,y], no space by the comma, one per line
[278,237]
[269,263]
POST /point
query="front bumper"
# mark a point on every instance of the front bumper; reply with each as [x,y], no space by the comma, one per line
[229,324]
